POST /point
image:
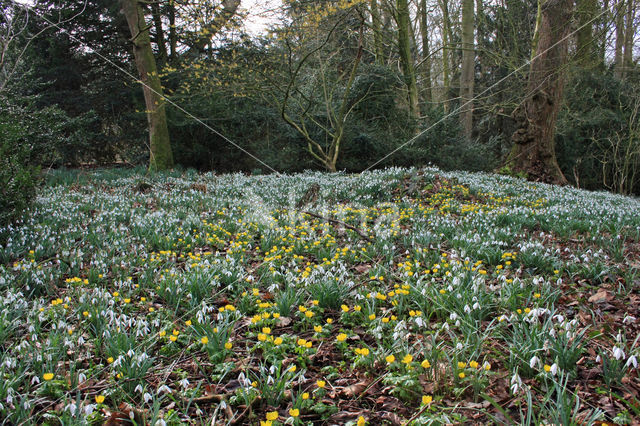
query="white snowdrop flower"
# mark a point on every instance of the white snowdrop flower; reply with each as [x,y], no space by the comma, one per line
[534,361]
[419,321]
[618,353]
[459,346]
[629,319]
[164,389]
[476,306]
[632,361]
[184,383]
[72,408]
[161,422]
[559,318]
[81,378]
[147,397]
[598,359]
[457,323]
[619,337]
[554,369]
[516,382]
[223,405]
[453,316]
[130,353]
[467,309]
[26,404]
[88,409]
[34,380]
[139,389]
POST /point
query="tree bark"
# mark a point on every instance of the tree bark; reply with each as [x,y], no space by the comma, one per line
[377,33]
[173,35]
[159,39]
[534,147]
[467,71]
[446,37]
[161,157]
[619,22]
[426,54]
[585,46]
[406,60]
[629,33]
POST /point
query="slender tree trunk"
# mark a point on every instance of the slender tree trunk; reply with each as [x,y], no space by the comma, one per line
[585,45]
[161,157]
[534,147]
[619,22]
[173,35]
[629,33]
[467,71]
[406,59]
[163,55]
[377,33]
[446,38]
[426,54]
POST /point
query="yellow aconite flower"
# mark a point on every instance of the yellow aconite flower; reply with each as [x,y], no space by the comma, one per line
[426,399]
[473,364]
[425,363]
[277,341]
[547,368]
[99,399]
[228,345]
[293,368]
[110,359]
[462,375]
[47,376]
[361,421]
[321,383]
[204,340]
[317,329]
[266,330]
[272,415]
[341,337]
[372,317]
[407,359]
[262,337]
[462,364]
[173,338]
[344,308]
[390,359]
[188,322]
[305,395]
[294,412]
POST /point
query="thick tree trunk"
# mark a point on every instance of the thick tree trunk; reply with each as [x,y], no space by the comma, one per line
[161,157]
[426,54]
[534,147]
[377,33]
[467,71]
[404,45]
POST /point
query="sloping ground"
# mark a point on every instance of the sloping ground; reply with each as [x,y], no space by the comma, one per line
[394,297]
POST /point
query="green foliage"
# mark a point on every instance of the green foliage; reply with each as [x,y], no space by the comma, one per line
[18,178]
[597,132]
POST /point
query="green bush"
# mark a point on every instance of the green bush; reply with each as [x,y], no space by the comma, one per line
[17,177]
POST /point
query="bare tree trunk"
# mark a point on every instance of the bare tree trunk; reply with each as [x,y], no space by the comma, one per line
[627,55]
[406,59]
[467,71]
[161,157]
[377,33]
[534,147]
[446,38]
[585,46]
[619,21]
[159,39]
[173,35]
[426,59]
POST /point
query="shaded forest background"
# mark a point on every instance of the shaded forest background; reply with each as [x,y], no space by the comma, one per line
[348,81]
